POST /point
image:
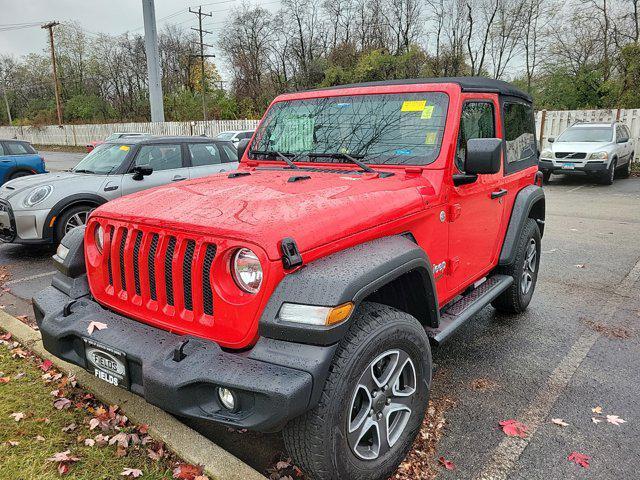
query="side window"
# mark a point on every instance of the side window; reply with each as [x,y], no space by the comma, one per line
[519,129]
[245,135]
[204,154]
[1,149]
[16,148]
[622,133]
[160,157]
[232,153]
[477,121]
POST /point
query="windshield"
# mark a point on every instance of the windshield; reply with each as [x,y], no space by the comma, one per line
[394,129]
[587,134]
[103,159]
[225,135]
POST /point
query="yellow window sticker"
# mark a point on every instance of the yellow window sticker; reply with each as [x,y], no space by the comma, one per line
[124,147]
[427,112]
[413,105]
[431,138]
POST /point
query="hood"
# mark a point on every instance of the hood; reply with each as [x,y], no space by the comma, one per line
[58,180]
[587,147]
[265,207]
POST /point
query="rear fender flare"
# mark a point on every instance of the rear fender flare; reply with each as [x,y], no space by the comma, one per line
[529,203]
[347,276]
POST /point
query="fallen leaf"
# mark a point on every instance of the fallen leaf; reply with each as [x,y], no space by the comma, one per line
[69,428]
[89,442]
[22,318]
[101,439]
[12,443]
[615,420]
[46,365]
[42,420]
[204,477]
[19,353]
[560,422]
[63,457]
[597,409]
[596,420]
[514,428]
[93,423]
[581,266]
[18,376]
[17,416]
[6,337]
[448,464]
[96,326]
[121,451]
[187,472]
[121,439]
[155,455]
[579,459]
[131,472]
[5,379]
[63,468]
[281,465]
[62,403]
[40,438]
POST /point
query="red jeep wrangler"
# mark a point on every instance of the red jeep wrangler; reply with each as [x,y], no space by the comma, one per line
[301,292]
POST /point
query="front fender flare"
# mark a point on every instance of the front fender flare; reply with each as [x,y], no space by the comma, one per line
[346,276]
[529,199]
[71,200]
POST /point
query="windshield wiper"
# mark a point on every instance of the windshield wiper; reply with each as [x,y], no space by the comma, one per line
[82,170]
[272,153]
[346,156]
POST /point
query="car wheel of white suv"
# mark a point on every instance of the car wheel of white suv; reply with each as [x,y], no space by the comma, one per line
[610,175]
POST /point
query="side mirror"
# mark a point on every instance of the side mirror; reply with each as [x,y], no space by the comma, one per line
[242,147]
[483,156]
[141,171]
[551,139]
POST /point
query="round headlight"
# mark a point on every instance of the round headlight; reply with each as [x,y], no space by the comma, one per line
[98,234]
[37,195]
[546,154]
[246,270]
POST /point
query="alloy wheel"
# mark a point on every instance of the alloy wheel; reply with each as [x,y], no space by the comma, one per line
[528,272]
[77,220]
[381,404]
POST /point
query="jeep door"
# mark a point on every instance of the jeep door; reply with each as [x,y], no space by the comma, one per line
[209,158]
[168,164]
[475,209]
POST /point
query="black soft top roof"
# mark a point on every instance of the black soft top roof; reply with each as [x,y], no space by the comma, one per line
[467,84]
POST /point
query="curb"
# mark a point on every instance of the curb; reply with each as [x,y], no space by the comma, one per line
[182,440]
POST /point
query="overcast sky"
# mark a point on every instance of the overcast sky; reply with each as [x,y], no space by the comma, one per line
[112,16]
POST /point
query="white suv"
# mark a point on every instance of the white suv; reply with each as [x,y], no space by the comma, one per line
[597,149]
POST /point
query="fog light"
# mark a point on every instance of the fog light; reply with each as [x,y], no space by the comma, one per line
[227,398]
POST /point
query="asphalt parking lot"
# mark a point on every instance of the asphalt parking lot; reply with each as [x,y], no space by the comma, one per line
[60,161]
[575,349]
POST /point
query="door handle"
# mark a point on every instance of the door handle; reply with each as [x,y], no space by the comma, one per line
[498,194]
[177,178]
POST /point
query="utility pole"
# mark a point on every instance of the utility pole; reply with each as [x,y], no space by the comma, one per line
[153,61]
[6,103]
[56,84]
[202,56]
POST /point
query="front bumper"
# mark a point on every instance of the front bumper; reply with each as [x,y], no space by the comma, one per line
[584,166]
[22,226]
[269,389]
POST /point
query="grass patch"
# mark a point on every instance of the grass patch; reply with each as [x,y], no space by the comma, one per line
[39,439]
[61,148]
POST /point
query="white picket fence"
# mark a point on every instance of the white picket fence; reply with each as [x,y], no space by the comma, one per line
[83,134]
[549,124]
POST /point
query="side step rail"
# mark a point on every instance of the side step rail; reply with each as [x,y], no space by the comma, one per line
[464,309]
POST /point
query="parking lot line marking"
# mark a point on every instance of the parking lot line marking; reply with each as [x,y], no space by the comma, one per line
[509,450]
[31,277]
[574,189]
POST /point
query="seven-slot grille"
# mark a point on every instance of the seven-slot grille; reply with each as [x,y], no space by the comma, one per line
[166,270]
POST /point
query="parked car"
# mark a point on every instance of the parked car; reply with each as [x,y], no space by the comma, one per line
[43,209]
[597,149]
[19,159]
[235,136]
[113,137]
[301,292]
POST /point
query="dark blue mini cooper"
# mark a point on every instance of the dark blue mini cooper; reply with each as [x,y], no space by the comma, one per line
[18,159]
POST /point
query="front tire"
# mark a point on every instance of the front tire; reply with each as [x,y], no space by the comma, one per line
[546,176]
[524,271]
[373,401]
[610,174]
[71,218]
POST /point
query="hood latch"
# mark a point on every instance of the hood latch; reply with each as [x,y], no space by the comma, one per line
[291,257]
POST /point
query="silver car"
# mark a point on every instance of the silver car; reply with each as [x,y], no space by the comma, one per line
[234,136]
[40,209]
[597,149]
